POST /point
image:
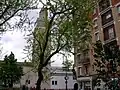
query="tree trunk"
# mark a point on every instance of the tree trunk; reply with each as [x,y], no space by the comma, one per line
[5,83]
[40,78]
[11,85]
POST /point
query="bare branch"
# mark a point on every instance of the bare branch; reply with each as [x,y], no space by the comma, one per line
[9,17]
[50,25]
[4,12]
[55,52]
[42,2]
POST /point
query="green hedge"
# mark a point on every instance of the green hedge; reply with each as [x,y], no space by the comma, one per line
[8,89]
[16,88]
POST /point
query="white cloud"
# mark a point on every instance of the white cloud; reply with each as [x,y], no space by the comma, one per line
[58,60]
[13,41]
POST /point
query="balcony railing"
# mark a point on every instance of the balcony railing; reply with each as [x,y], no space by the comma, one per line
[83,75]
[107,17]
[109,40]
[105,10]
[108,24]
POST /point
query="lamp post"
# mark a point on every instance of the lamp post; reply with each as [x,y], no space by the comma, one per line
[114,68]
[66,79]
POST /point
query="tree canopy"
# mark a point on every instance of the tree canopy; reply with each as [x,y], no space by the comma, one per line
[65,24]
[107,62]
[10,70]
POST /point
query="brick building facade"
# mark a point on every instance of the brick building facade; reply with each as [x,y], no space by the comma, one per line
[106,27]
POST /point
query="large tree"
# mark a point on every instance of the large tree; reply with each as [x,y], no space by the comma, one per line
[10,71]
[107,63]
[66,23]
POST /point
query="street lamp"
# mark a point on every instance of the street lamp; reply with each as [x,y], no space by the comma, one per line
[66,79]
[114,67]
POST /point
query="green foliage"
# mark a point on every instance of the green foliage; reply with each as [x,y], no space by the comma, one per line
[67,65]
[10,71]
[67,25]
[107,59]
[78,24]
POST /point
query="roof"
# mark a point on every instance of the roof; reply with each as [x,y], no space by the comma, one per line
[20,63]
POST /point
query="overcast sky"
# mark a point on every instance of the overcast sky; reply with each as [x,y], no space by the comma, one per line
[14,41]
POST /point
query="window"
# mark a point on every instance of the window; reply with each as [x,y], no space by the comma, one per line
[111,33]
[52,82]
[79,71]
[86,69]
[108,16]
[95,23]
[96,36]
[78,57]
[93,67]
[118,9]
[94,12]
[55,82]
[98,88]
[28,81]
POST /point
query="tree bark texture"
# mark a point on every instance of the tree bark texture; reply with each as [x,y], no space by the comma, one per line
[40,78]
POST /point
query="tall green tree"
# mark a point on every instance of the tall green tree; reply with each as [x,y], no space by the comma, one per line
[67,24]
[10,71]
[107,62]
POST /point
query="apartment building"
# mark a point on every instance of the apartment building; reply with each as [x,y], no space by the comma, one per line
[106,19]
[83,69]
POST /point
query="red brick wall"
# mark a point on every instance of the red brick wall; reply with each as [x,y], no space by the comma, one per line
[114,2]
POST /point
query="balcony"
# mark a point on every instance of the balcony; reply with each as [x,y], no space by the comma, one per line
[84,78]
[82,73]
[112,43]
[109,34]
[109,41]
[108,46]
[107,17]
[108,24]
[105,10]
